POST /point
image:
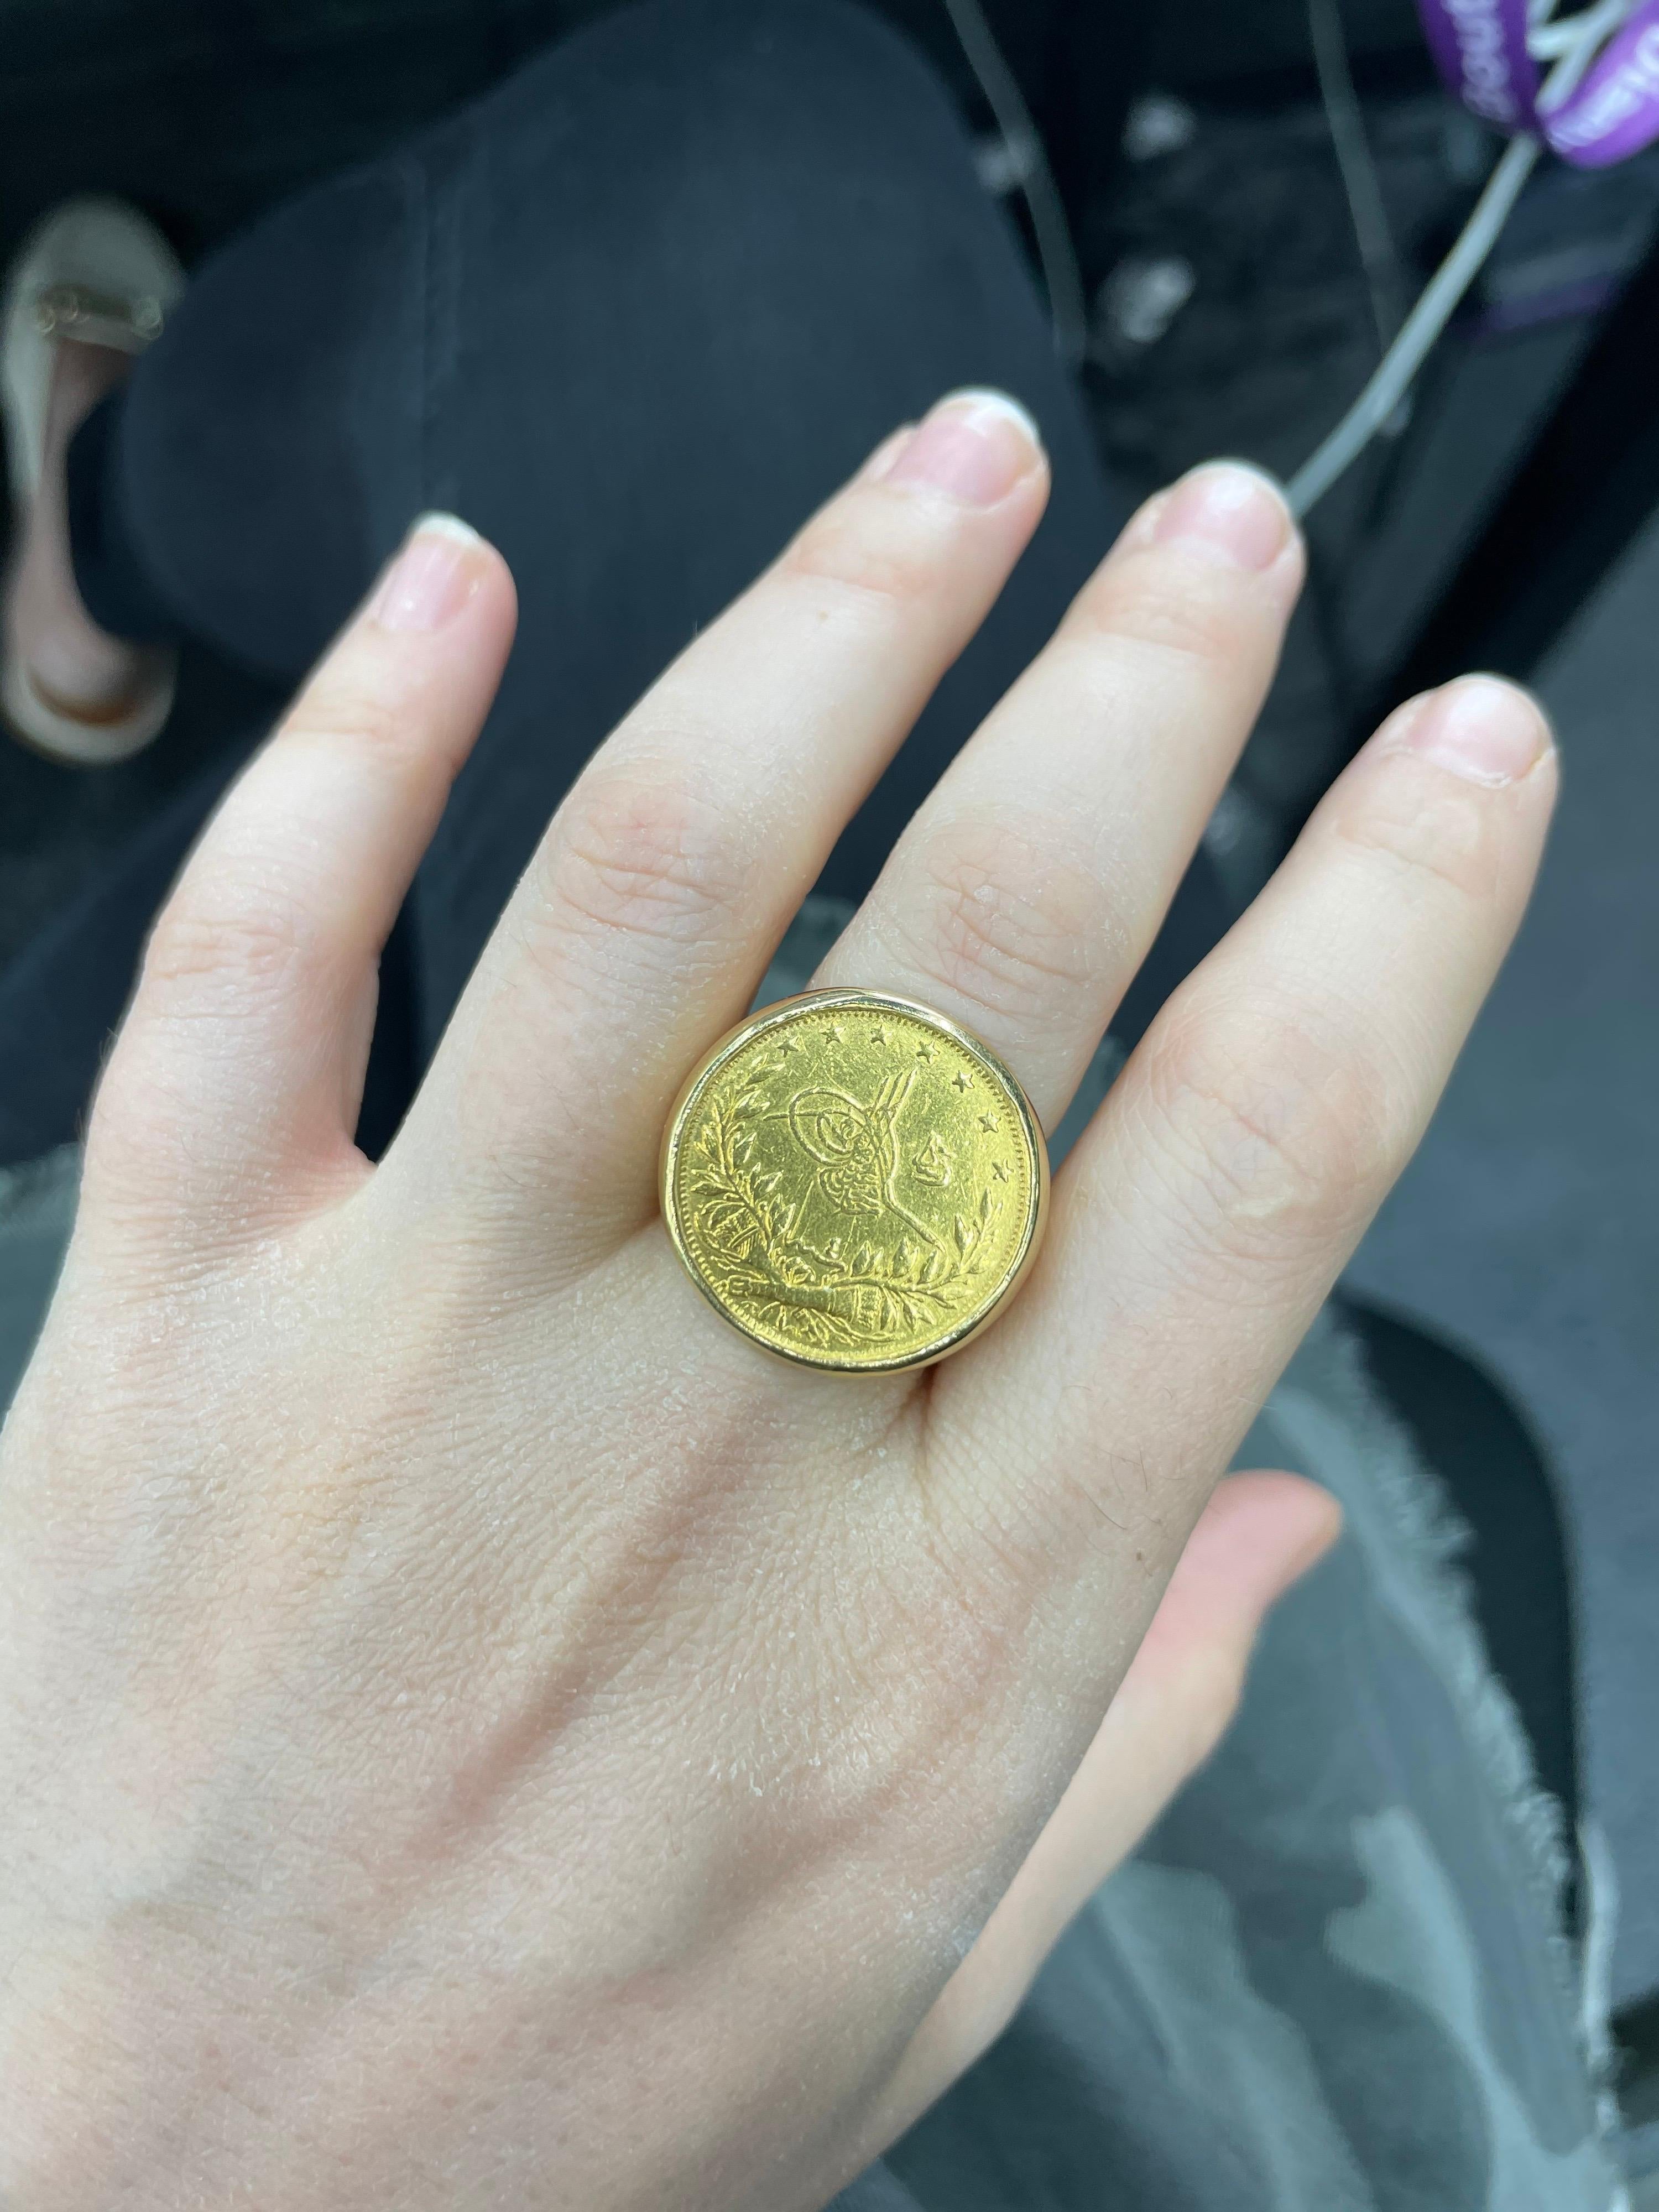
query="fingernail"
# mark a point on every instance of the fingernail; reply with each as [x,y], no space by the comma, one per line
[1230,510]
[431,578]
[886,453]
[974,447]
[1479,728]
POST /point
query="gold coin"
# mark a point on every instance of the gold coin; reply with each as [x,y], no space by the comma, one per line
[854,1182]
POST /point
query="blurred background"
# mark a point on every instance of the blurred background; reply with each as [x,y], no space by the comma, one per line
[1230,297]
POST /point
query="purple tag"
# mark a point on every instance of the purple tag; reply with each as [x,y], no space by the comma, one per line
[1480,46]
[1612,112]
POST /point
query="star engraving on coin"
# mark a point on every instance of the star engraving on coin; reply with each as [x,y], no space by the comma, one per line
[846,1208]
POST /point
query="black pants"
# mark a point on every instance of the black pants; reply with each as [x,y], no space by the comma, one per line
[632,315]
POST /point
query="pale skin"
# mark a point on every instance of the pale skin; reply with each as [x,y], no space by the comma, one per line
[478,1731]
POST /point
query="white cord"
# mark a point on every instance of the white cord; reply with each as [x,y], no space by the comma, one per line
[1547,42]
[1418,333]
[1013,118]
[1434,310]
[1378,256]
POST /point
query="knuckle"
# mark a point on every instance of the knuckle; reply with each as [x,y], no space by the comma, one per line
[340,719]
[648,856]
[1004,917]
[206,935]
[1428,826]
[1173,609]
[870,545]
[1278,1133]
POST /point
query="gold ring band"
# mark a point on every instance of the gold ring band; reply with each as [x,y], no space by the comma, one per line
[854,1182]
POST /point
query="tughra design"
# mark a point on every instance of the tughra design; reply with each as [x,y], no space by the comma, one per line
[854,1181]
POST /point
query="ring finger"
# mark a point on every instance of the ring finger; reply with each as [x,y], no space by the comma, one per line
[648,914]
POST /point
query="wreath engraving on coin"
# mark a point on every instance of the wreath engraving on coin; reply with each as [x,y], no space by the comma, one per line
[854,1181]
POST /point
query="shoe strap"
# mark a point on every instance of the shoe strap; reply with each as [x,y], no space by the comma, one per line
[103,318]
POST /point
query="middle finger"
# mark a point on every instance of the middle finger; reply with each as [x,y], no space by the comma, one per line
[1027,890]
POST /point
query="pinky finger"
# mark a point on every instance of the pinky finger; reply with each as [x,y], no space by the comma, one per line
[235,1081]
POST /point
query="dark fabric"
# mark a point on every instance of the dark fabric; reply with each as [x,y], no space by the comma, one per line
[1332,1980]
[62,997]
[632,314]
[114,588]
[1468,1430]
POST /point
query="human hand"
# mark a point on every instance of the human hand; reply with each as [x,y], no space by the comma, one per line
[479,1731]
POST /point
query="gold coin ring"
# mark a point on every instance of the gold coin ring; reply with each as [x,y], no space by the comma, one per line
[854,1182]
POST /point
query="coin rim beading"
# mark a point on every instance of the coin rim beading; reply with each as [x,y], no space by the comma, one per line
[776,1015]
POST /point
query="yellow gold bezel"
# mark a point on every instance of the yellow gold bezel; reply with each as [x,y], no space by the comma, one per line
[776,1017]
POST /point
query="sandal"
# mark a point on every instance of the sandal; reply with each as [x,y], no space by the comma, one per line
[93,272]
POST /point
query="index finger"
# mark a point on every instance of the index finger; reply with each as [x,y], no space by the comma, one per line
[1230,1172]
